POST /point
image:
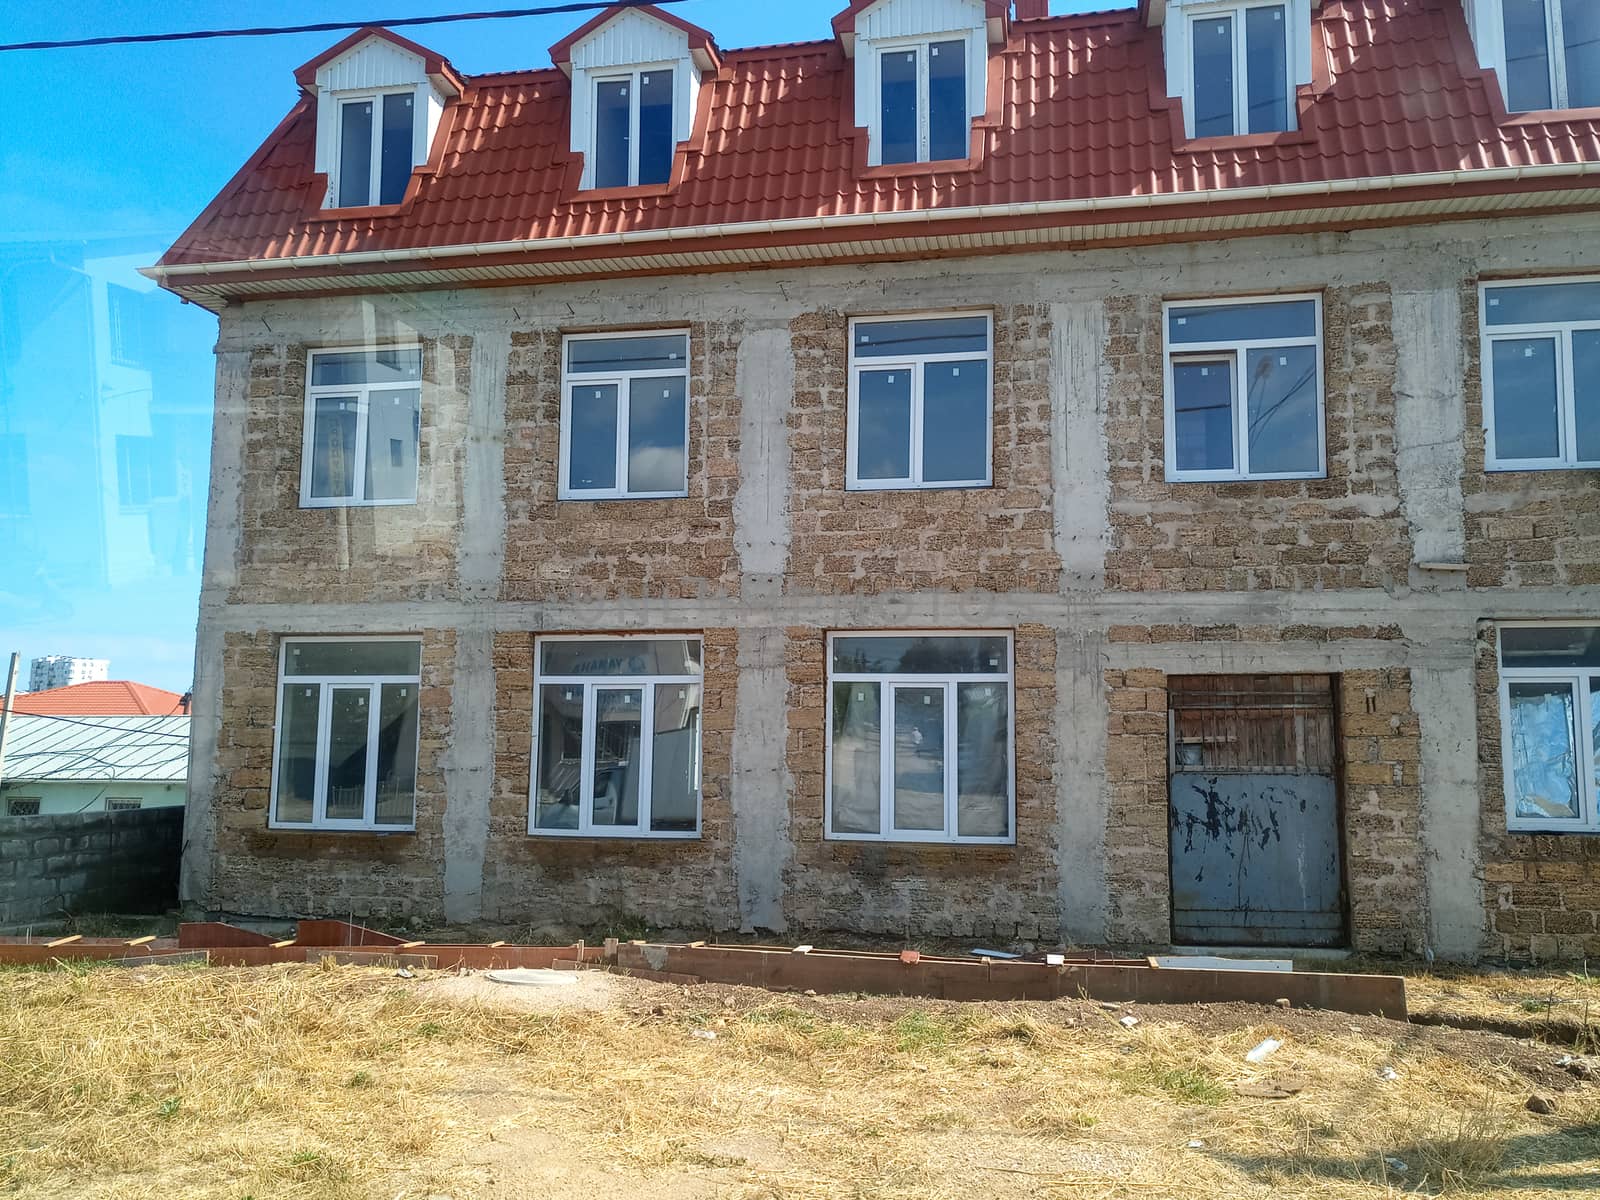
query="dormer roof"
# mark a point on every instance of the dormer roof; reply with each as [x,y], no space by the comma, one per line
[701,44]
[996,12]
[438,69]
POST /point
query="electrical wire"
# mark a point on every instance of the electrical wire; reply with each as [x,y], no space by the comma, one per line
[332,26]
[114,728]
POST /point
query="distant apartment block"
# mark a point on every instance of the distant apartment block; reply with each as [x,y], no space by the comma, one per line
[64,670]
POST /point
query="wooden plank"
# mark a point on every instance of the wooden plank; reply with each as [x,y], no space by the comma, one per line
[66,941]
[141,941]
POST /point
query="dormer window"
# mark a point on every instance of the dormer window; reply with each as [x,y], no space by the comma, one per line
[1240,67]
[376,139]
[923,114]
[1552,54]
[633,128]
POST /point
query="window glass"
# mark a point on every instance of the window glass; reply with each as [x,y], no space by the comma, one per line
[618,713]
[983,760]
[1266,43]
[363,657]
[397,753]
[1266,320]
[333,447]
[592,443]
[1527,43]
[657,421]
[612,117]
[919,758]
[355,154]
[394,427]
[297,752]
[614,355]
[23,806]
[558,777]
[898,114]
[883,423]
[857,761]
[1202,410]
[1542,747]
[1586,400]
[955,421]
[1527,399]
[620,656]
[920,655]
[1581,29]
[675,759]
[1550,647]
[1281,409]
[395,169]
[347,753]
[1213,76]
[655,126]
[947,101]
[933,335]
[347,367]
[1542,304]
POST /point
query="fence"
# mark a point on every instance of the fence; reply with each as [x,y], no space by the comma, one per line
[103,862]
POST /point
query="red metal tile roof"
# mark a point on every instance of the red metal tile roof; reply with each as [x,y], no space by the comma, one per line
[106,698]
[1078,112]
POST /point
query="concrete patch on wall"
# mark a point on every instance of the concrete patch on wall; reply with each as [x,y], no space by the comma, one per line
[761,505]
[1078,441]
[468,769]
[1429,422]
[1081,790]
[760,784]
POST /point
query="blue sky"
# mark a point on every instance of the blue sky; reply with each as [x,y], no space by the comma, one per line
[105,388]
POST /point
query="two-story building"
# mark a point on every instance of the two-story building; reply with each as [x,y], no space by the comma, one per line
[1129,478]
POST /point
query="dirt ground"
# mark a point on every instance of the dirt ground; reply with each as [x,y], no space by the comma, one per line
[345,1083]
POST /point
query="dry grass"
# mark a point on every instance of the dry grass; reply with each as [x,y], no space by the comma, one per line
[344,1083]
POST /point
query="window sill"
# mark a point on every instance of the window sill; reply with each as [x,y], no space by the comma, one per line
[1550,116]
[592,836]
[1173,477]
[638,191]
[593,497]
[905,839]
[358,212]
[898,485]
[943,166]
[308,503]
[1243,141]
[1572,829]
[1528,468]
[367,830]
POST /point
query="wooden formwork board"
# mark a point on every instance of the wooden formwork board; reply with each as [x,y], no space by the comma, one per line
[957,979]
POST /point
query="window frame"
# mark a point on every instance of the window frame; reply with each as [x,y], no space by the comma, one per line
[374,97]
[630,74]
[889,682]
[124,804]
[1555,54]
[1566,375]
[622,381]
[914,364]
[1241,64]
[320,823]
[12,803]
[1587,761]
[922,44]
[1235,352]
[646,684]
[364,393]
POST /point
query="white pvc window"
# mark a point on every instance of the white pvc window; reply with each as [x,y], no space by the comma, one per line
[1239,70]
[363,424]
[633,128]
[1551,54]
[1550,727]
[921,402]
[625,416]
[376,137]
[920,744]
[346,734]
[1541,374]
[1244,389]
[922,102]
[616,737]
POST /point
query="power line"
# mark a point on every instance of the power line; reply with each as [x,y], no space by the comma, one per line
[331,26]
[114,728]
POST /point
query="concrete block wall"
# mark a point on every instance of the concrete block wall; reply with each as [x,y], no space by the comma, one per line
[1109,578]
[121,862]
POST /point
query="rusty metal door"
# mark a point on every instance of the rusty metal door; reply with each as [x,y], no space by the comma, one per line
[1254,812]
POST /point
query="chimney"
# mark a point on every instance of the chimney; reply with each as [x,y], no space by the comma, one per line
[1033,10]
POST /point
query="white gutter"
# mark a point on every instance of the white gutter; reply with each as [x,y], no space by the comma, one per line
[1047,208]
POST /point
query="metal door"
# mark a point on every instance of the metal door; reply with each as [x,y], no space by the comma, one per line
[1254,811]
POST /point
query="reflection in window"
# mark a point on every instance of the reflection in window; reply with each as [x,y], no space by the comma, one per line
[633,129]
[1552,50]
[1244,390]
[1550,713]
[943,772]
[374,163]
[625,419]
[1542,375]
[922,103]
[617,737]
[1239,70]
[919,403]
[363,428]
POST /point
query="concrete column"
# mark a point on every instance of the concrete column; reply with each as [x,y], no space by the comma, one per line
[1445,699]
[760,783]
[761,506]
[1081,796]
[1078,463]
[220,574]
[1429,419]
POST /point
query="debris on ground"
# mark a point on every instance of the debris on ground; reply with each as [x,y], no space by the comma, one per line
[1542,1104]
[1388,1074]
[1129,1022]
[1263,1051]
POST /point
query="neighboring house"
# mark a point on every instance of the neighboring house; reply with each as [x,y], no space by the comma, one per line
[103,698]
[62,670]
[57,764]
[1131,478]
